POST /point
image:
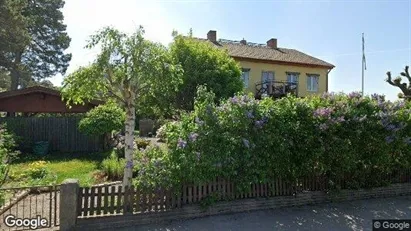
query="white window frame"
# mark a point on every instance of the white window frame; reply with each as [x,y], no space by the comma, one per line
[291,76]
[312,82]
[245,76]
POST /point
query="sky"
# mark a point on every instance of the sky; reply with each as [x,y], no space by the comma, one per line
[330,30]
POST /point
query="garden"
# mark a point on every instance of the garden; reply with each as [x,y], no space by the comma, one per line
[340,137]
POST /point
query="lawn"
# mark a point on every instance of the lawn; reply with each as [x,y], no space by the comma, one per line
[58,167]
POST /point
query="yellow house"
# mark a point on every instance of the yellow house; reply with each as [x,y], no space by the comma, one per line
[273,71]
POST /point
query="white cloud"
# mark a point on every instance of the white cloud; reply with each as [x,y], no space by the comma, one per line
[85,17]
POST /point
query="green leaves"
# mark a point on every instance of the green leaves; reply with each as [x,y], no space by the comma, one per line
[103,119]
[7,152]
[125,70]
[204,64]
[342,137]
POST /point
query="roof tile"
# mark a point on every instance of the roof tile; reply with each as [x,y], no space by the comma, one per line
[263,52]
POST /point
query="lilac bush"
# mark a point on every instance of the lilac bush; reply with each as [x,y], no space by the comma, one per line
[248,141]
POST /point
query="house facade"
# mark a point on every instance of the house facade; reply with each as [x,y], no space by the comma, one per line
[274,71]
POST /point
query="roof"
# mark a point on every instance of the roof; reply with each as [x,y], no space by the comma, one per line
[38,89]
[255,51]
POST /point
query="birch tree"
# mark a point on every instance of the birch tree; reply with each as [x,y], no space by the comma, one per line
[125,69]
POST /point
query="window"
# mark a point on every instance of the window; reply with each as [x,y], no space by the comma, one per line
[245,77]
[292,77]
[312,82]
[267,78]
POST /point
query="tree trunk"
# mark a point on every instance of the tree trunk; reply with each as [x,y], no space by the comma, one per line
[15,72]
[129,141]
[15,78]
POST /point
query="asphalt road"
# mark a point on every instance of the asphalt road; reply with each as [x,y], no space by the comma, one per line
[355,215]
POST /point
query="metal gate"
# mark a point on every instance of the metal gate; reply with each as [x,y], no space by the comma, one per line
[26,208]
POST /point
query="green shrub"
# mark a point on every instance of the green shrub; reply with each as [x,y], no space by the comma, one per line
[7,152]
[142,143]
[103,119]
[342,137]
[113,167]
[37,170]
[152,169]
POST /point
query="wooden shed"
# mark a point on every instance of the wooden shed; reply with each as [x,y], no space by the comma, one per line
[39,100]
[61,132]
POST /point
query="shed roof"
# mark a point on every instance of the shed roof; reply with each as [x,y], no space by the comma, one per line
[39,99]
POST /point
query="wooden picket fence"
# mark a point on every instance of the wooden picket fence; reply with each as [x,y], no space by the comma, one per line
[116,200]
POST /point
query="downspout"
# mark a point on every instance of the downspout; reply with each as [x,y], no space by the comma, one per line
[326,80]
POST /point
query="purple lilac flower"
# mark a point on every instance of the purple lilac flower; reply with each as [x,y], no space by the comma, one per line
[361,119]
[249,114]
[142,171]
[246,143]
[157,163]
[382,105]
[323,112]
[378,97]
[234,100]
[389,139]
[340,119]
[181,143]
[223,107]
[265,119]
[398,105]
[328,95]
[407,140]
[245,98]
[385,121]
[129,164]
[337,120]
[259,123]
[193,137]
[354,94]
[323,127]
[390,127]
[198,121]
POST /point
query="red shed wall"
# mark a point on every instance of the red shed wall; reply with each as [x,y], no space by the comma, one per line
[39,102]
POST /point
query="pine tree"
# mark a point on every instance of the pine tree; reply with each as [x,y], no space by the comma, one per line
[42,55]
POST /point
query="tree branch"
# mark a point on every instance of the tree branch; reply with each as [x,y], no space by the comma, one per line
[398,84]
[406,74]
[116,96]
[110,75]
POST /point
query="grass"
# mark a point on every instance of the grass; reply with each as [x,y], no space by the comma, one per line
[60,166]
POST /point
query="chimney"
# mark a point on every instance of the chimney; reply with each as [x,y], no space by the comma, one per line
[212,36]
[244,42]
[272,43]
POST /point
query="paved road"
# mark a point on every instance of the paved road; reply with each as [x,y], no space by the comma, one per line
[356,215]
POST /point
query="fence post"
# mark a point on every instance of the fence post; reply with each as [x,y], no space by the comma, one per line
[68,204]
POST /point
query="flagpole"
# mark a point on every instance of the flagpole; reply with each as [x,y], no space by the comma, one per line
[362,69]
